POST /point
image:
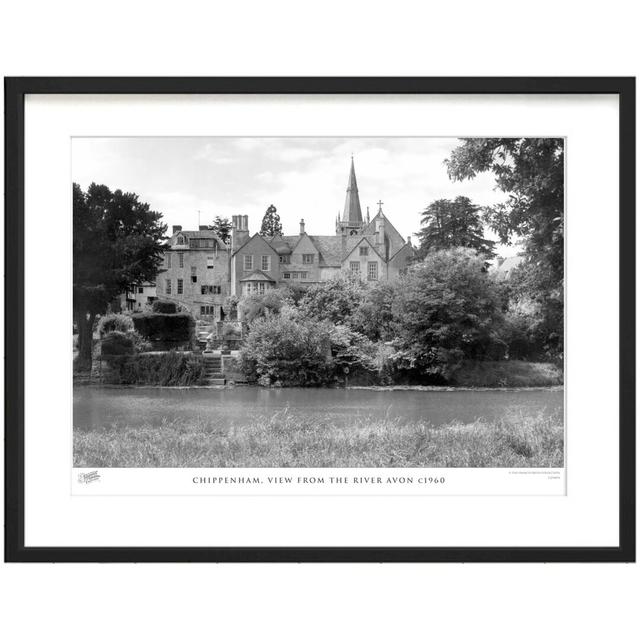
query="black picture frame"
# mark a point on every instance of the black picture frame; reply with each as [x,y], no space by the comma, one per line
[15,91]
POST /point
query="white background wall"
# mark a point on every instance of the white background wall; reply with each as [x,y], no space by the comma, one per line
[332,38]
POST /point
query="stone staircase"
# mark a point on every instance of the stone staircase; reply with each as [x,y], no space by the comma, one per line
[213,368]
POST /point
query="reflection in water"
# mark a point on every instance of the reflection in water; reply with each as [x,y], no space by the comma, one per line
[98,406]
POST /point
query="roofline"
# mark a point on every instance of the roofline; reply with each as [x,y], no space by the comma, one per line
[249,240]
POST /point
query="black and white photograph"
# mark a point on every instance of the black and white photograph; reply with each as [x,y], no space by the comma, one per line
[318,302]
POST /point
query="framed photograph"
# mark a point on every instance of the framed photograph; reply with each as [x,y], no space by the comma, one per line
[320,319]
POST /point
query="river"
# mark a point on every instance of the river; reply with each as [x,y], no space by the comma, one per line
[95,406]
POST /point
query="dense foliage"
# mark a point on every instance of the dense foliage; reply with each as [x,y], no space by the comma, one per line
[115,322]
[531,172]
[458,223]
[165,369]
[164,306]
[293,349]
[447,309]
[178,328]
[117,242]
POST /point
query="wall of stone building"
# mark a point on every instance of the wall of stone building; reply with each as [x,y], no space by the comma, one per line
[298,265]
[256,247]
[192,295]
[364,261]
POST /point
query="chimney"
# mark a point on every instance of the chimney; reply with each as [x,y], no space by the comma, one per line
[302,226]
[380,239]
[203,227]
[175,229]
[409,241]
[239,231]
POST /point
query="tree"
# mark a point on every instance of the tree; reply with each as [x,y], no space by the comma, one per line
[117,242]
[222,228]
[531,172]
[271,225]
[457,223]
[445,311]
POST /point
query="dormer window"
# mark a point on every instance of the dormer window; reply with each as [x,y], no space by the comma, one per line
[180,240]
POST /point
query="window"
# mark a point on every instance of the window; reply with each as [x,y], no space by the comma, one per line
[167,286]
[355,267]
[266,263]
[181,259]
[168,256]
[303,275]
[207,310]
[364,251]
[180,240]
[140,289]
[372,273]
[307,258]
[286,276]
[179,286]
[194,274]
[285,259]
[201,243]
[261,287]
[248,263]
[214,289]
[294,275]
[209,262]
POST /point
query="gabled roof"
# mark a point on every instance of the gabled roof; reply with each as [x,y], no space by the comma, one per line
[257,276]
[253,237]
[330,249]
[396,241]
[370,240]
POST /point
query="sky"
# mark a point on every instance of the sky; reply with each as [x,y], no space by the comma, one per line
[192,180]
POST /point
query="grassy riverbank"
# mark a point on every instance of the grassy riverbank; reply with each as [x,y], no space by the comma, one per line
[288,440]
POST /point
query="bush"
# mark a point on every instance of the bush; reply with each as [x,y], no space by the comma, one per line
[290,349]
[335,300]
[115,322]
[164,306]
[166,327]
[117,343]
[167,369]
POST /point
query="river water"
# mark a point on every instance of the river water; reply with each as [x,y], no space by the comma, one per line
[95,407]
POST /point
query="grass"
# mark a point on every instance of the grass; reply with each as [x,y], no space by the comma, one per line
[287,440]
[507,373]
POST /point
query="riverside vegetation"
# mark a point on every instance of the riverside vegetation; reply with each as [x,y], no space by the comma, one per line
[286,439]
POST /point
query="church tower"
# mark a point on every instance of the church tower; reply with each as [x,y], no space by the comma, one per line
[351,222]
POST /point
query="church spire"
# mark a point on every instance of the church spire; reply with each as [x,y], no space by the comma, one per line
[352,211]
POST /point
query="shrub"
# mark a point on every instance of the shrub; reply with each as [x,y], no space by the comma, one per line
[164,306]
[290,349]
[260,305]
[117,343]
[165,369]
[165,327]
[287,350]
[115,322]
[335,300]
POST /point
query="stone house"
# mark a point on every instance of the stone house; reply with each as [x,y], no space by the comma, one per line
[195,273]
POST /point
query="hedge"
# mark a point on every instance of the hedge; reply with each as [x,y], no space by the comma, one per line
[169,369]
[117,343]
[177,328]
[164,306]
